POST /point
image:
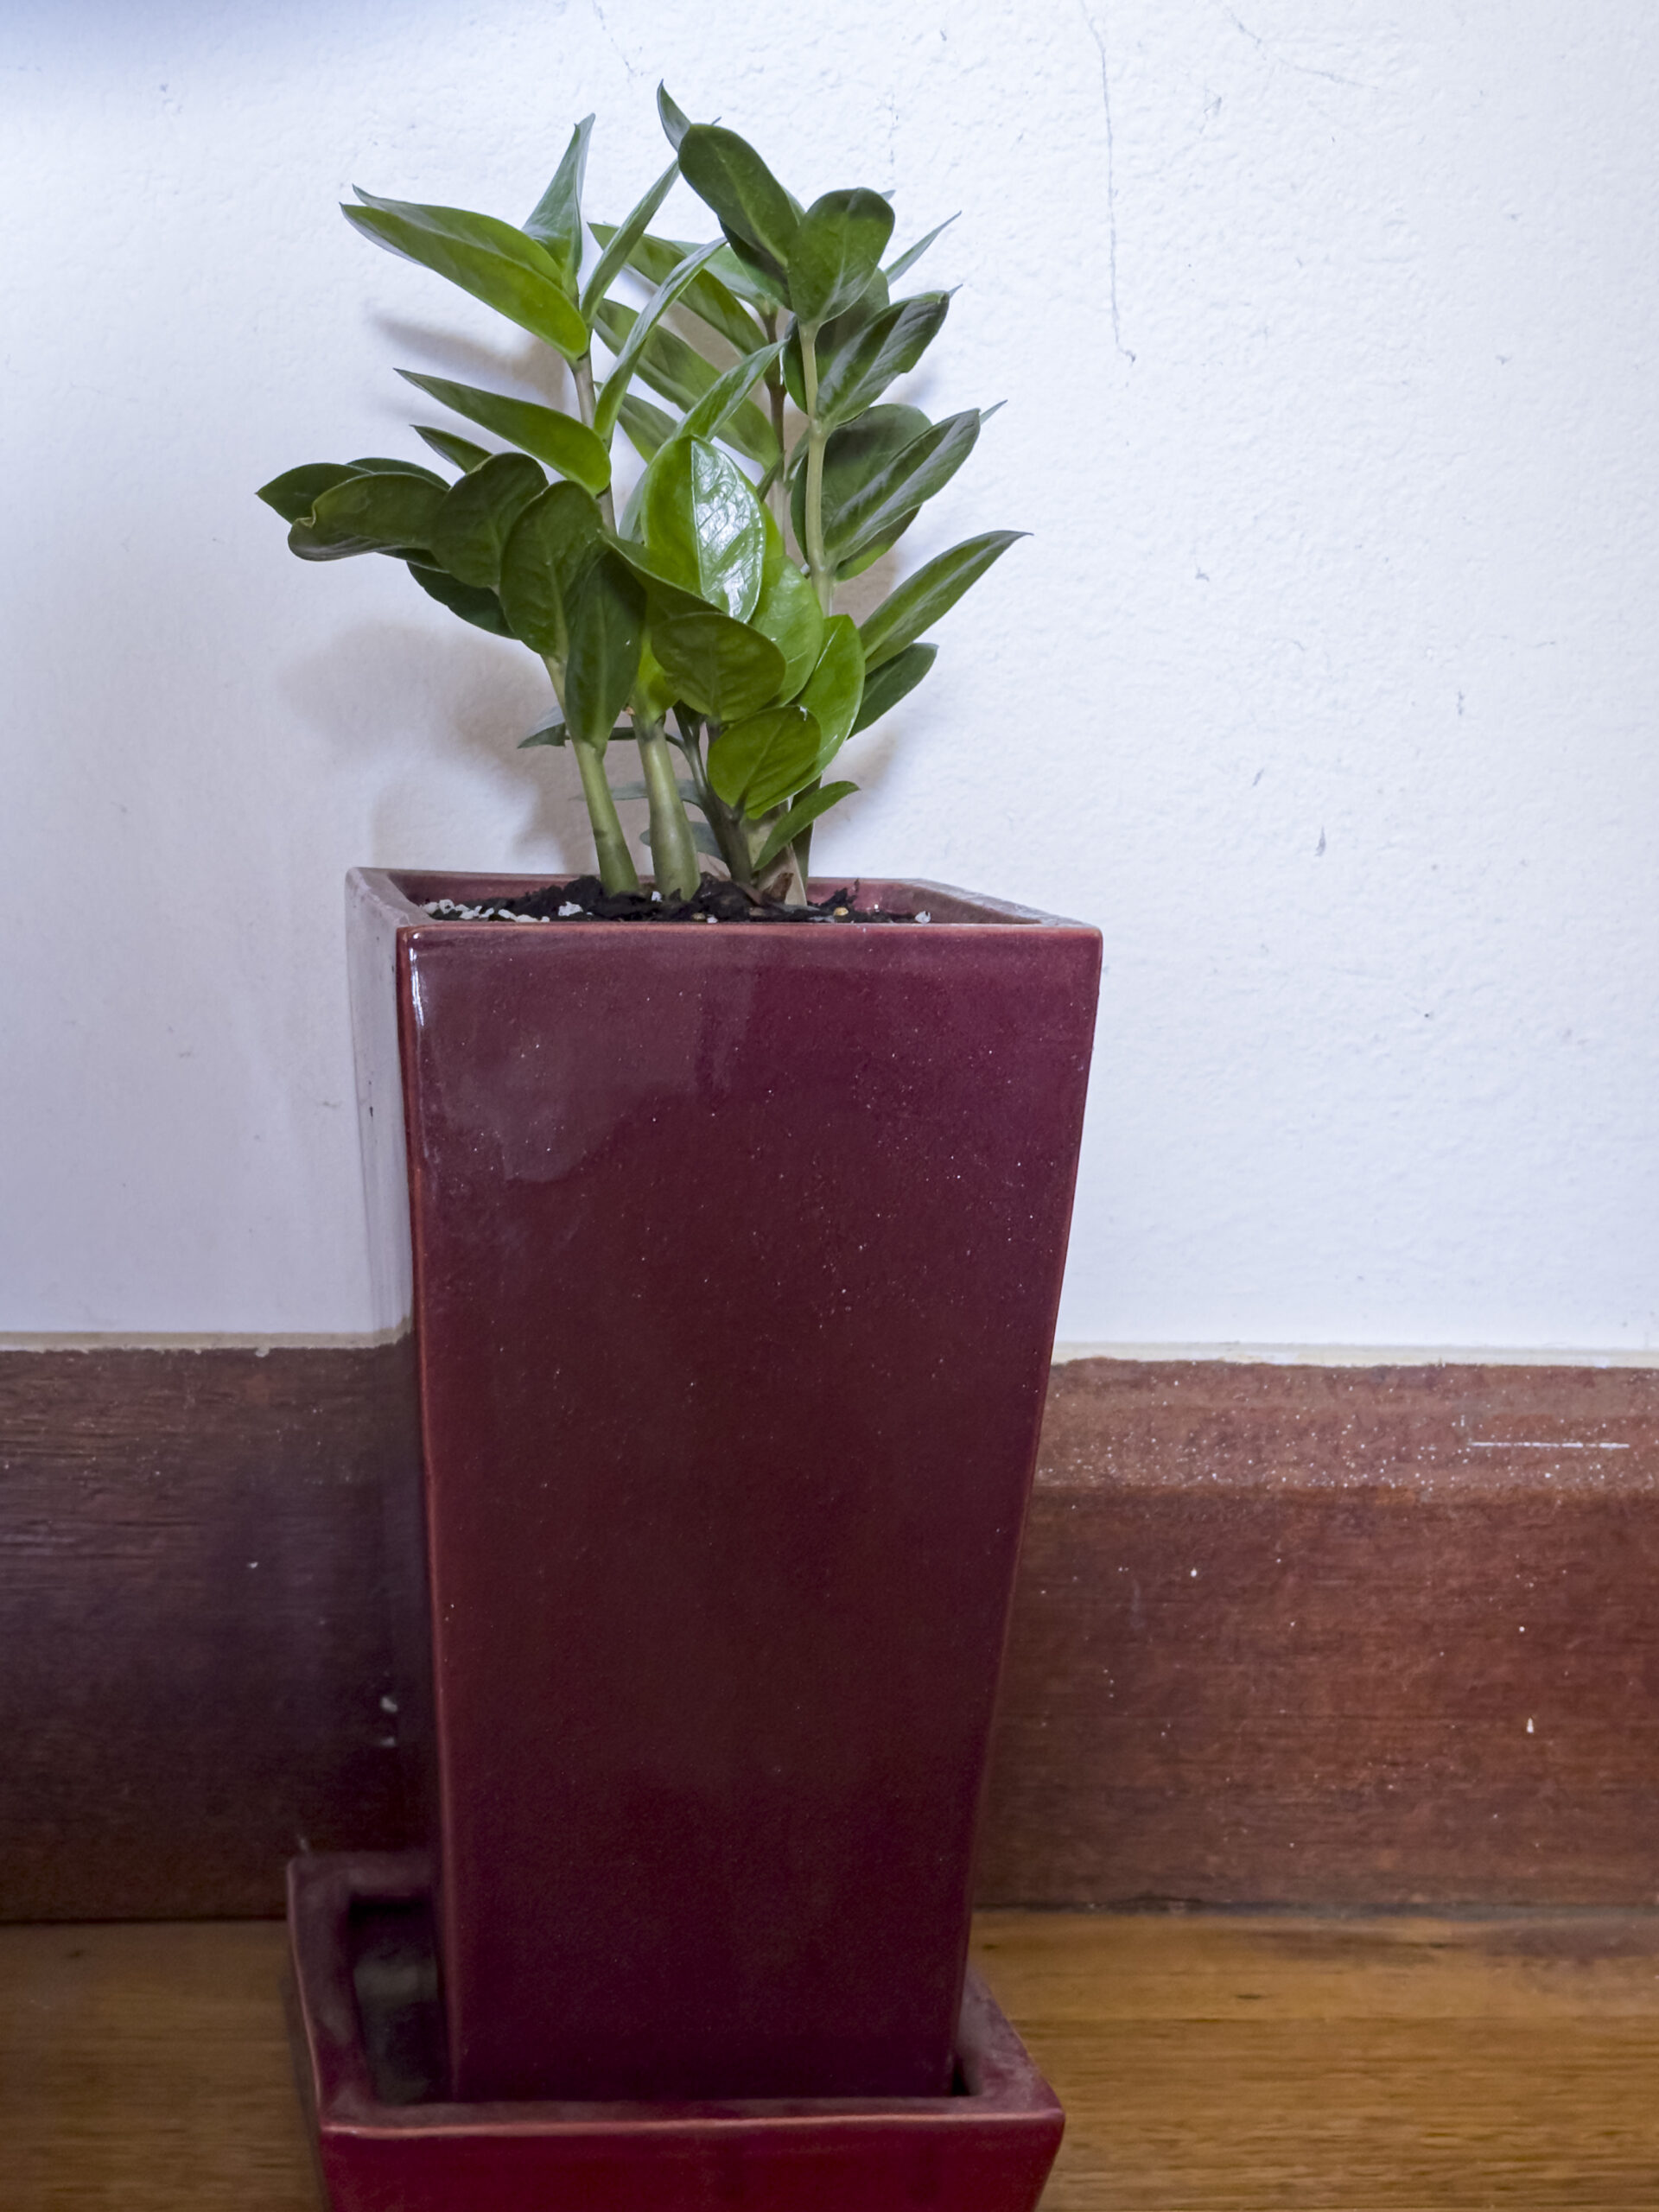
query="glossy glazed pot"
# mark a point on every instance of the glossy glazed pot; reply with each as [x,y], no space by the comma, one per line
[734,1255]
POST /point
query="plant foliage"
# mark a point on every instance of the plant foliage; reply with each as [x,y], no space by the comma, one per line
[706,614]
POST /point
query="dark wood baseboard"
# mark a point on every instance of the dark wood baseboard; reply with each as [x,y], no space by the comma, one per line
[1307,1635]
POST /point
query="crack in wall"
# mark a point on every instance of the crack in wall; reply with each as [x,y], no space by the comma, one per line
[1097,33]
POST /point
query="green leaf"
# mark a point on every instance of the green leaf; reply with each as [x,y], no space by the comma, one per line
[887,345]
[555,220]
[549,731]
[706,296]
[835,334]
[376,465]
[873,548]
[619,245]
[679,372]
[886,686]
[760,761]
[788,613]
[296,490]
[765,296]
[481,608]
[653,695]
[488,258]
[669,595]
[703,524]
[676,122]
[907,260]
[801,816]
[932,591]
[728,392]
[368,513]
[551,544]
[477,515]
[460,451]
[721,667]
[564,443]
[853,454]
[924,467]
[838,247]
[647,428]
[835,688]
[754,210]
[605,617]
[662,299]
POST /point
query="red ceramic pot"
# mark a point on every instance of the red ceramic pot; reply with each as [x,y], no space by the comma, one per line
[735,1255]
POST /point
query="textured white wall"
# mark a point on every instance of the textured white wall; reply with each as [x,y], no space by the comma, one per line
[1326,686]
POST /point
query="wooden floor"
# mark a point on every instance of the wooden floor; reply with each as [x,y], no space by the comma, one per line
[1205,2061]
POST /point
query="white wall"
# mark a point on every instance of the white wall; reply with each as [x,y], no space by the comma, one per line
[1326,686]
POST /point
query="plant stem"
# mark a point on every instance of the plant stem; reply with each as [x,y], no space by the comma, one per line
[616,868]
[584,372]
[823,582]
[673,854]
[775,397]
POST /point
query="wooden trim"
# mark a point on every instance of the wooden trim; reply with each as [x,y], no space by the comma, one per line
[1280,1634]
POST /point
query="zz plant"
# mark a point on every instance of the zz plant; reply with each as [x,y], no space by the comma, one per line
[692,613]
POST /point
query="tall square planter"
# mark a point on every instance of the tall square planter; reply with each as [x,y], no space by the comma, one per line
[733,1254]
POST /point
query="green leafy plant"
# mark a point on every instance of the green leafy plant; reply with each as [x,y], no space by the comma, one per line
[706,613]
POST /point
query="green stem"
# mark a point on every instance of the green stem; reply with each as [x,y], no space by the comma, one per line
[728,830]
[775,397]
[673,854]
[584,372]
[823,582]
[616,868]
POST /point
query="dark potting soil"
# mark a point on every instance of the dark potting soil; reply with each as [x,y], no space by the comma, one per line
[715,900]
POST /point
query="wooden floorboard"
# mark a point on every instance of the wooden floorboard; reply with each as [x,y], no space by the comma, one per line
[1209,2062]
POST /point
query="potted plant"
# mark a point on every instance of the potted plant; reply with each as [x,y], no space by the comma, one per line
[735,1251]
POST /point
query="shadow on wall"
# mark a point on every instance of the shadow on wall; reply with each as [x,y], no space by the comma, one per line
[431,719]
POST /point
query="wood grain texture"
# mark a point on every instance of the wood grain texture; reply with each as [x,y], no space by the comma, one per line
[1396,1570]
[1335,1636]
[1223,2063]
[193,1621]
[1208,2063]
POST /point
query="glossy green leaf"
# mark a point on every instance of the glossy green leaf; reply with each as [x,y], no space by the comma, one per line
[872,549]
[619,245]
[852,455]
[549,731]
[616,385]
[477,516]
[703,524]
[932,591]
[834,688]
[653,695]
[838,246]
[555,221]
[676,123]
[370,464]
[924,467]
[855,376]
[904,263]
[605,616]
[481,608]
[753,209]
[886,686]
[680,374]
[488,258]
[646,428]
[834,337]
[720,667]
[551,544]
[788,613]
[705,297]
[804,812]
[669,594]
[765,295]
[462,452]
[760,761]
[728,392]
[564,443]
[368,512]
[296,490]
